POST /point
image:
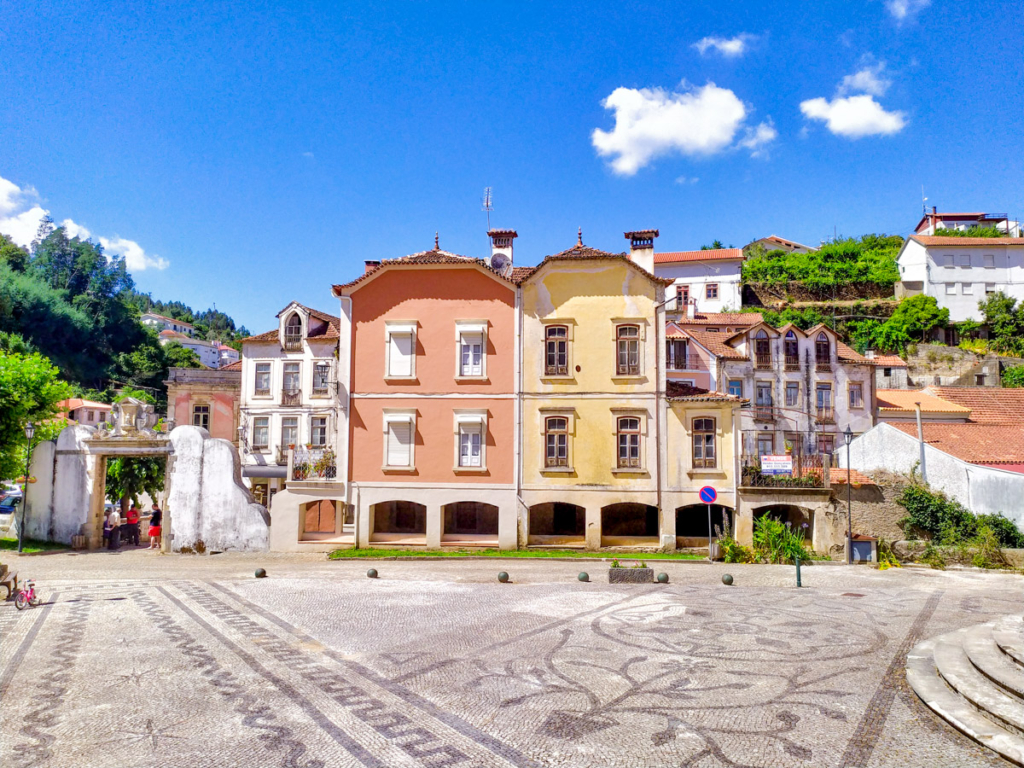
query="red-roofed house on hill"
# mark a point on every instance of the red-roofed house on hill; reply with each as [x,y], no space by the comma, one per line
[930,223]
[776,243]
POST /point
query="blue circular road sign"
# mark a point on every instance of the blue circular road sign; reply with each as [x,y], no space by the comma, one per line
[708,494]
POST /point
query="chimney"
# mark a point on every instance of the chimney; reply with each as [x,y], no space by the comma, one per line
[869,354]
[501,249]
[933,217]
[641,248]
[369,266]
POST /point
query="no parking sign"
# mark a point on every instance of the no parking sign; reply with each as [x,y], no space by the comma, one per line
[708,494]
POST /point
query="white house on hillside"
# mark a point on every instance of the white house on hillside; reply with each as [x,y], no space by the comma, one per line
[961,271]
[207,351]
[163,323]
[776,243]
[963,222]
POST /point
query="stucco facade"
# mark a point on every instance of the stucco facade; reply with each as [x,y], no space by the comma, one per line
[592,370]
[205,398]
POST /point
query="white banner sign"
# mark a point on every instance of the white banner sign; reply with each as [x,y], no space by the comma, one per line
[776,465]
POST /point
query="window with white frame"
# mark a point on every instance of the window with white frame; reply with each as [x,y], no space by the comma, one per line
[261,432]
[965,260]
[627,339]
[200,416]
[401,350]
[289,431]
[472,341]
[950,289]
[990,287]
[966,288]
[736,387]
[470,430]
[262,384]
[556,350]
[704,444]
[628,432]
[948,261]
[400,430]
[792,394]
[988,261]
[318,431]
[856,395]
[321,378]
[556,442]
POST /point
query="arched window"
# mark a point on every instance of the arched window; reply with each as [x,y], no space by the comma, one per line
[629,442]
[704,443]
[792,350]
[822,351]
[293,332]
[556,438]
[627,339]
[556,350]
[762,349]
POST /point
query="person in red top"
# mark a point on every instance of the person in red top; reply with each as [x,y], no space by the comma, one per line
[132,525]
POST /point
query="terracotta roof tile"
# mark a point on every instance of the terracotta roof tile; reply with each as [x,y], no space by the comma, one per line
[435,256]
[332,329]
[892,401]
[713,254]
[989,444]
[888,361]
[931,240]
[736,319]
[521,273]
[580,252]
[988,405]
[847,354]
[680,392]
[715,344]
[235,366]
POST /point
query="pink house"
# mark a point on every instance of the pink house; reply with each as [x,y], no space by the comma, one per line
[206,398]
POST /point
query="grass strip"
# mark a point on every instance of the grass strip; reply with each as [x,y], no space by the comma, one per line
[374,553]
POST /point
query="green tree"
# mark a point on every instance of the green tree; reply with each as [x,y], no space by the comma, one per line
[30,390]
[1014,377]
[1005,320]
[130,477]
[715,245]
[177,356]
[913,319]
[12,254]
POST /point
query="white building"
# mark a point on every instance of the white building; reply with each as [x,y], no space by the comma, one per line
[163,323]
[962,222]
[961,271]
[207,351]
[289,399]
[228,355]
[776,243]
[704,281]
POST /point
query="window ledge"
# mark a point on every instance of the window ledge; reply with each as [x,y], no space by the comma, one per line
[401,380]
[398,470]
[701,472]
[629,377]
[472,379]
[557,470]
[262,397]
[629,471]
[320,396]
[560,379]
[470,470]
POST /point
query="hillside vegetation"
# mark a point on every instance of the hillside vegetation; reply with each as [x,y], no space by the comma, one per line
[866,259]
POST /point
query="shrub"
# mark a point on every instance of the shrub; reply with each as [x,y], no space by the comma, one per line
[944,519]
[1008,534]
[1014,377]
[776,542]
[734,552]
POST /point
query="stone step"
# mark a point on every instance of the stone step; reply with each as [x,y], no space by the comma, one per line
[924,679]
[1009,636]
[988,658]
[960,674]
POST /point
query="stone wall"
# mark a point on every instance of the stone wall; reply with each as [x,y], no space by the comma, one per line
[57,505]
[767,294]
[939,365]
[875,511]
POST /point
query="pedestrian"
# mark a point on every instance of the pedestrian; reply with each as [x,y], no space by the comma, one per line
[154,527]
[106,529]
[114,521]
[132,525]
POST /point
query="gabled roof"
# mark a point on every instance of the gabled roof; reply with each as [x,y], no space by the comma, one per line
[988,444]
[781,241]
[988,405]
[168,319]
[712,254]
[715,344]
[847,354]
[432,257]
[677,391]
[893,402]
[888,361]
[169,334]
[975,215]
[581,252]
[235,366]
[332,329]
[722,318]
[74,403]
[753,329]
[966,242]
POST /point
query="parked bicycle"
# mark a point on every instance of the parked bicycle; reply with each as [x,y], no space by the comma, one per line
[26,596]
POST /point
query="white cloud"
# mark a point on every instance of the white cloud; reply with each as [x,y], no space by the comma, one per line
[757,139]
[687,180]
[308,155]
[729,47]
[135,257]
[854,117]
[651,122]
[20,214]
[903,9]
[867,80]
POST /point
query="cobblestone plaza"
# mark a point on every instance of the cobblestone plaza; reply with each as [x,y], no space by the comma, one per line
[138,659]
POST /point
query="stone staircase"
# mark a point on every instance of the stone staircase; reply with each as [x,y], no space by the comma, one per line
[974,680]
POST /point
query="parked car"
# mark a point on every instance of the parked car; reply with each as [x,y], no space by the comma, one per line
[9,504]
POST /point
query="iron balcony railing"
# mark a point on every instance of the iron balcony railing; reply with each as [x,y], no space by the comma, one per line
[764,413]
[792,363]
[686,363]
[823,366]
[826,414]
[292,340]
[763,361]
[291,397]
[316,462]
[807,472]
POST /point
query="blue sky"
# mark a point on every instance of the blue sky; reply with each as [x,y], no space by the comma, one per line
[253,153]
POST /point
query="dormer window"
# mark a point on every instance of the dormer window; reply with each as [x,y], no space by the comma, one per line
[293,332]
[823,352]
[792,351]
[763,350]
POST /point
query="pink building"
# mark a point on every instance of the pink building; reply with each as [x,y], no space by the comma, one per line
[432,417]
[205,398]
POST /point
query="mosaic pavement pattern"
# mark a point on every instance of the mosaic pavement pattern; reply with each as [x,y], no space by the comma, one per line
[436,664]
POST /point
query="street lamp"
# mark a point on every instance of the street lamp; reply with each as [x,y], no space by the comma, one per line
[30,431]
[848,434]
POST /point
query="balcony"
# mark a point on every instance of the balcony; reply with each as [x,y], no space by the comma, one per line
[825,414]
[764,413]
[686,363]
[792,363]
[291,397]
[261,392]
[316,463]
[292,340]
[763,361]
[823,366]
[807,472]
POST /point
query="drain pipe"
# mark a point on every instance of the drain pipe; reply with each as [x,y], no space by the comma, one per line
[920,440]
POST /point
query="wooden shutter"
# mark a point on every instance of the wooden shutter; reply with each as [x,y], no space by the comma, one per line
[399,443]
[400,354]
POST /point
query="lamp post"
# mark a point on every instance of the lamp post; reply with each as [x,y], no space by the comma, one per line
[30,431]
[848,434]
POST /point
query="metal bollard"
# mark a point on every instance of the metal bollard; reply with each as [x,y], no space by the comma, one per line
[798,584]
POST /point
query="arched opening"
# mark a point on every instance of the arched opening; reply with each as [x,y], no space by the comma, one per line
[293,332]
[762,350]
[399,522]
[692,524]
[792,351]
[822,350]
[557,524]
[798,518]
[629,524]
[470,522]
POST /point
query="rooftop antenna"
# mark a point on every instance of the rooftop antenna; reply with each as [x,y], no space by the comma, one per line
[924,202]
[488,206]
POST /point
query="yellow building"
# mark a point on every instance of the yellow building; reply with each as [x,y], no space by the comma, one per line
[592,429]
[700,439]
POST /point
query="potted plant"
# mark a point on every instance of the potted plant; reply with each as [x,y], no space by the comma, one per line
[637,573]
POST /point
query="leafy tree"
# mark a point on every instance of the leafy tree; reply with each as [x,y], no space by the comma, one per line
[1005,320]
[868,259]
[30,390]
[129,477]
[917,315]
[1014,377]
[12,254]
[177,356]
[971,232]
[715,245]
